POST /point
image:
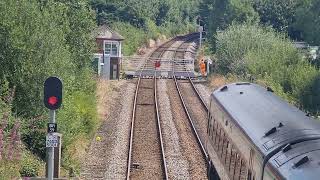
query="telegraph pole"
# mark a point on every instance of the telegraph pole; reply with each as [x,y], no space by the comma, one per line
[200,30]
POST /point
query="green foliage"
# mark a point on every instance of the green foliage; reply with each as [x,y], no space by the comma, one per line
[260,53]
[30,165]
[134,36]
[280,14]
[138,12]
[308,21]
[219,14]
[9,169]
[41,39]
[234,43]
[298,18]
[138,20]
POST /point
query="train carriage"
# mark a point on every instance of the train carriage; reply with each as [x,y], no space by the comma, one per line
[260,136]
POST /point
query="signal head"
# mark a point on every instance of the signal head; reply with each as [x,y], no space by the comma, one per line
[53,93]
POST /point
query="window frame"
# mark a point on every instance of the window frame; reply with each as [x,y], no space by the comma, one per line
[111,48]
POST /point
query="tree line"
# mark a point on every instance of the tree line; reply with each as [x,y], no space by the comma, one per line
[38,39]
[141,20]
[253,40]
[41,38]
[299,19]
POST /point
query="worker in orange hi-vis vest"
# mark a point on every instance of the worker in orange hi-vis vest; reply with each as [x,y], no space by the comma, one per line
[202,67]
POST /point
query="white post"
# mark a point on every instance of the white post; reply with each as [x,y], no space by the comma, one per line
[200,31]
[51,149]
[200,39]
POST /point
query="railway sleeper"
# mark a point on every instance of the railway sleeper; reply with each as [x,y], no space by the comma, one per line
[145,104]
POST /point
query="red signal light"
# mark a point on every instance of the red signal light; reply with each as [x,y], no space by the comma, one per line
[52,100]
[157,64]
[52,93]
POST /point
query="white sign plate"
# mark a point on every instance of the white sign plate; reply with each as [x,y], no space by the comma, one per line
[51,140]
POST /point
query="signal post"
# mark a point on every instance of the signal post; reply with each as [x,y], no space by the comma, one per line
[53,100]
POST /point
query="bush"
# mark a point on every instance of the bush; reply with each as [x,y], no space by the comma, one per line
[30,165]
[270,58]
[9,169]
[234,43]
[43,39]
[134,37]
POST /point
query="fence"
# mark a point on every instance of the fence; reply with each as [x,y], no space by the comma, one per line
[163,66]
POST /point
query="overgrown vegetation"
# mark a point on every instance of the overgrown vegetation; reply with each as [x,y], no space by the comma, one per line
[251,39]
[219,14]
[54,38]
[39,39]
[262,54]
[141,20]
[299,19]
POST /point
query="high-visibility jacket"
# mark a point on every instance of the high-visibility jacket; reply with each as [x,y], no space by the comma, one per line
[203,68]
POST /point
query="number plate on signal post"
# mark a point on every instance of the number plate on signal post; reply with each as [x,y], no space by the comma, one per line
[51,140]
[52,127]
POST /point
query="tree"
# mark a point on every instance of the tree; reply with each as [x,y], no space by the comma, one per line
[267,56]
[48,38]
[280,14]
[308,21]
[219,14]
[137,12]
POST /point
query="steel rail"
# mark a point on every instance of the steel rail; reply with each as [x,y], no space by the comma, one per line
[159,130]
[193,86]
[191,122]
[194,130]
[132,126]
[165,171]
[158,116]
[198,95]
[163,48]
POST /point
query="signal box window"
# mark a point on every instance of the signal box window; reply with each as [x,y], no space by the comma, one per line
[107,48]
[111,48]
[114,50]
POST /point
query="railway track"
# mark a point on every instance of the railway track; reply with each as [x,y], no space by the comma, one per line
[191,131]
[177,82]
[197,110]
[146,156]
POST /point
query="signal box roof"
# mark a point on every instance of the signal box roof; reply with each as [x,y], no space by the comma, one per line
[105,33]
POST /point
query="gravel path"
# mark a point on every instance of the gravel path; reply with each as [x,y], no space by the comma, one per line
[117,162]
[106,158]
[178,166]
[190,148]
